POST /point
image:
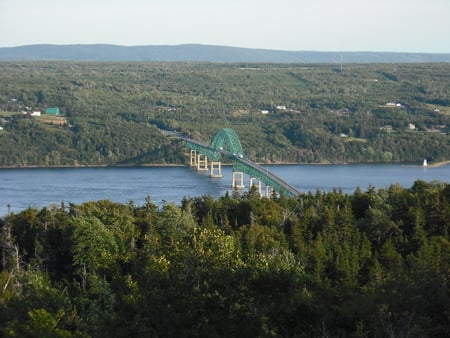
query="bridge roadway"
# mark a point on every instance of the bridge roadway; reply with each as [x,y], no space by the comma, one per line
[242,163]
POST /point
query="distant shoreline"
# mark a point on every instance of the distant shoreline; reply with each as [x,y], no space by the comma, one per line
[89,166]
[430,165]
[438,164]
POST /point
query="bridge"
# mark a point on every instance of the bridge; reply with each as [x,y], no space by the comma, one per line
[226,144]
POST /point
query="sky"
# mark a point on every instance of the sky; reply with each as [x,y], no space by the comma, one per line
[319,25]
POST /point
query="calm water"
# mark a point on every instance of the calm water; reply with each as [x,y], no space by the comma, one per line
[37,187]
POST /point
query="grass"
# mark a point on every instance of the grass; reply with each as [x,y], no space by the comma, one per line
[49,117]
[44,118]
[355,139]
[442,109]
[7,113]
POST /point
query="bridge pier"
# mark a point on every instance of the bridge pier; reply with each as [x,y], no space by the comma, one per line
[216,169]
[202,162]
[226,143]
[258,185]
[237,181]
[193,161]
[269,191]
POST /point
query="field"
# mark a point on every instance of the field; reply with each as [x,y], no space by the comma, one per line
[52,119]
[7,114]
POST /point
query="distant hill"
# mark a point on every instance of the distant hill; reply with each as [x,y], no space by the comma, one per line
[204,53]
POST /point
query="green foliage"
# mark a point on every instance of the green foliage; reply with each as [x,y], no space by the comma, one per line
[371,264]
[94,247]
[113,111]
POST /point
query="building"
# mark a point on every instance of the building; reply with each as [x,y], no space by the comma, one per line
[387,127]
[52,111]
[393,104]
[35,113]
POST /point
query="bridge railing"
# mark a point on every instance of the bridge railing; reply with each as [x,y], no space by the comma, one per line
[211,153]
[241,163]
[263,174]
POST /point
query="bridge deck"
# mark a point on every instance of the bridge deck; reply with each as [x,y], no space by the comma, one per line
[268,178]
[245,165]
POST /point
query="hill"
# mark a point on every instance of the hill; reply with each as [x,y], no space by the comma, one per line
[203,53]
[304,113]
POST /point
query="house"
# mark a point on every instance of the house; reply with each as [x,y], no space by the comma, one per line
[387,127]
[393,104]
[35,113]
[411,126]
[52,111]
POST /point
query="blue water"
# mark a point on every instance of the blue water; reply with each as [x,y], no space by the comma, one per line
[38,187]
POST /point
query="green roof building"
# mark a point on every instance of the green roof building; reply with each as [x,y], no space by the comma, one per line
[52,111]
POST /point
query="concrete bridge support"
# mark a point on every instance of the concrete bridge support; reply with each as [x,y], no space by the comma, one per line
[193,161]
[216,169]
[269,191]
[202,162]
[237,181]
[226,143]
[257,185]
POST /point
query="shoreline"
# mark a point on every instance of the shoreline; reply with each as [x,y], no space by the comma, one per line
[437,164]
[430,165]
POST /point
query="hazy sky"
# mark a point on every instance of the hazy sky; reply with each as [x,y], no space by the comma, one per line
[323,25]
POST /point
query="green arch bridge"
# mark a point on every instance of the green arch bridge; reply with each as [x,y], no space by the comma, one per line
[226,144]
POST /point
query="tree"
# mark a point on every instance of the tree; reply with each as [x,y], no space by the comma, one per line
[94,247]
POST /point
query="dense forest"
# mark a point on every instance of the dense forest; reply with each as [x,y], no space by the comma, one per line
[374,263]
[111,113]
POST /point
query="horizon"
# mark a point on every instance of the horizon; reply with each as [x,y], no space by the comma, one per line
[220,46]
[413,26]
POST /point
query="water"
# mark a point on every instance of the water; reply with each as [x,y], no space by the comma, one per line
[38,187]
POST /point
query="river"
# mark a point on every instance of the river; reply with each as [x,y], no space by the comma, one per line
[38,187]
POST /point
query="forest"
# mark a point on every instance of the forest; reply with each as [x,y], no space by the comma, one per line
[374,263]
[301,113]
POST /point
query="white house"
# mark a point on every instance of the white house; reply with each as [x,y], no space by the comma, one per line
[393,104]
[36,113]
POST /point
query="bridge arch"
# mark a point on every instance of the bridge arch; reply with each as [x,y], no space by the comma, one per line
[227,143]
[227,139]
